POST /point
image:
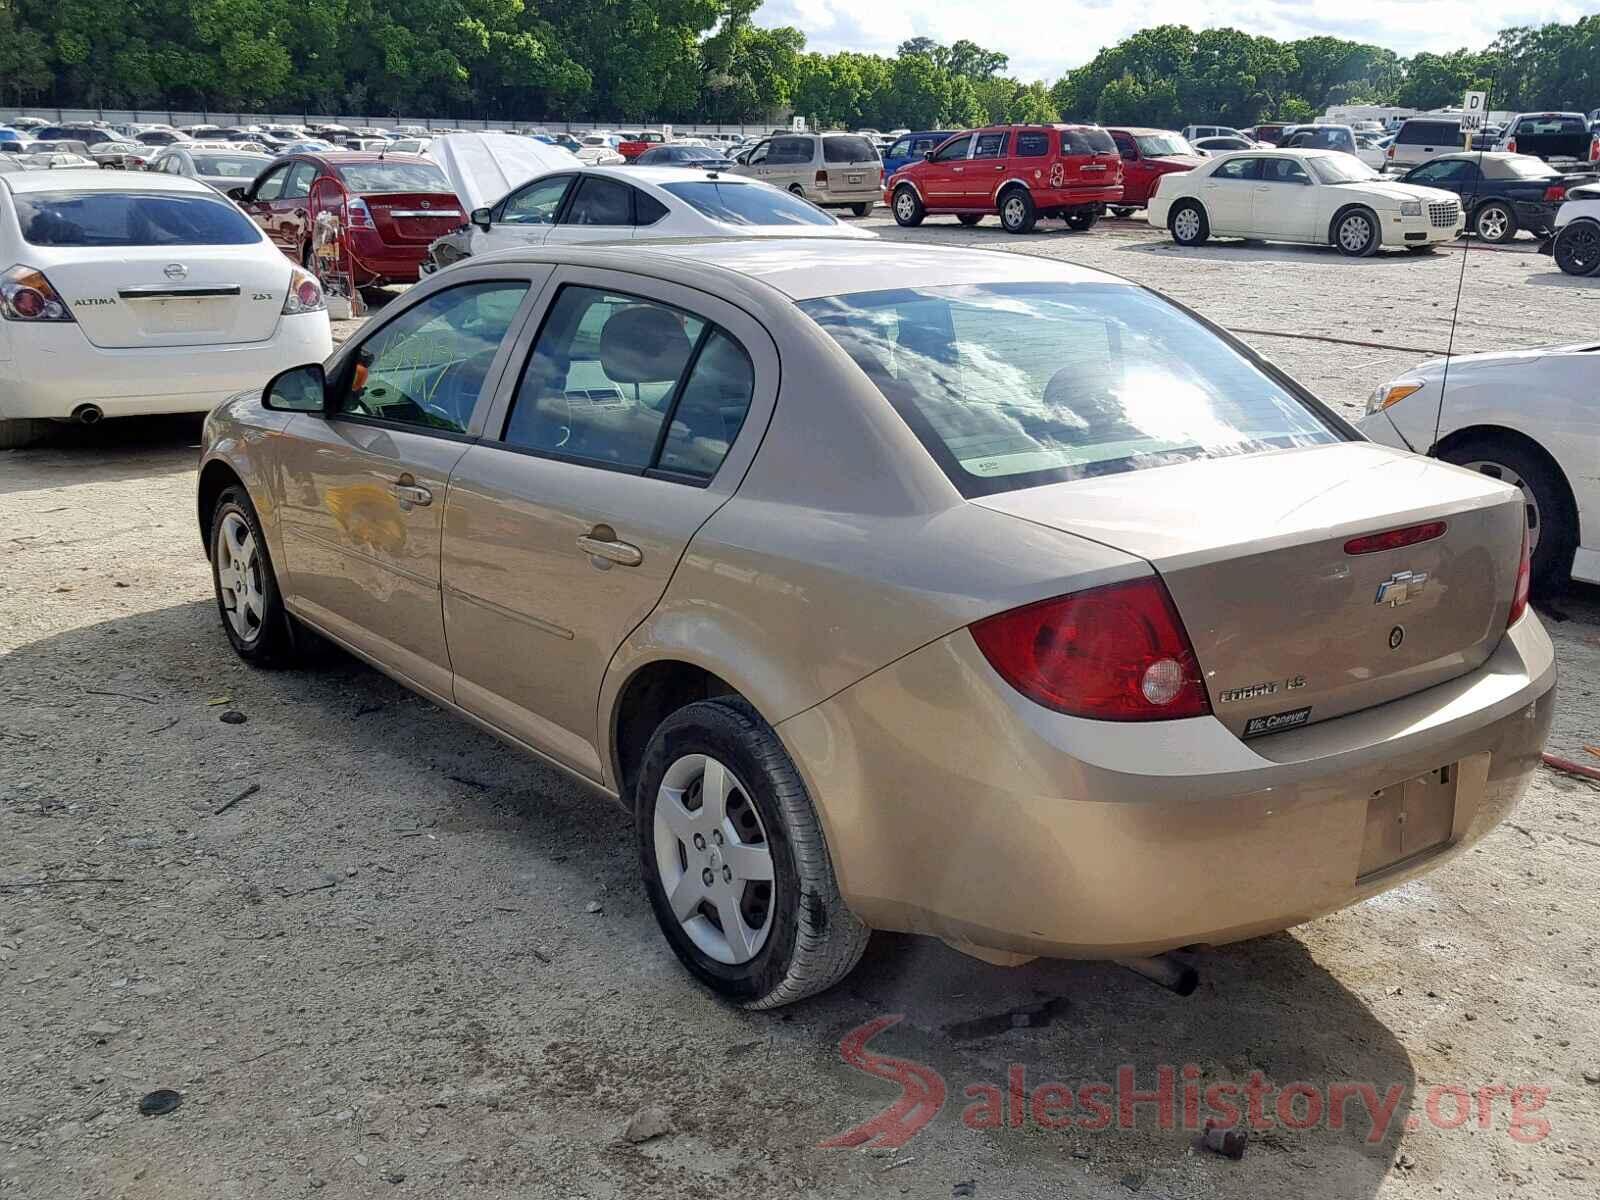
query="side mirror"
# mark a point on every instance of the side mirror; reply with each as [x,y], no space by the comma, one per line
[481,218]
[927,156]
[299,389]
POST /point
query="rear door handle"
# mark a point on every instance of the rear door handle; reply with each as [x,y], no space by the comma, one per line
[411,494]
[602,543]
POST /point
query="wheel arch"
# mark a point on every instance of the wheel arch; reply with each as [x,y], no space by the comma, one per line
[907,183]
[1505,433]
[1013,181]
[1344,210]
[216,477]
[653,691]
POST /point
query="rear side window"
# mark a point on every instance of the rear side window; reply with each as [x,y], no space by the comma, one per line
[647,210]
[747,204]
[1010,386]
[710,409]
[130,219]
[789,150]
[599,201]
[848,150]
[1032,145]
[1087,141]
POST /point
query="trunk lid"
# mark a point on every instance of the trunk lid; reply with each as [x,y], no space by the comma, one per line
[151,296]
[414,218]
[1282,617]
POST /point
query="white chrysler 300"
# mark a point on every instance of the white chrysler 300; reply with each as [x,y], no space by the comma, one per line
[124,294]
[1324,197]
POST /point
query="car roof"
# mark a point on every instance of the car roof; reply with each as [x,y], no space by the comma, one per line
[86,180]
[806,268]
[1141,130]
[650,173]
[344,158]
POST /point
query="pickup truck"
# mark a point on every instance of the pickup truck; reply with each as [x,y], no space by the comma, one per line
[631,147]
[1560,138]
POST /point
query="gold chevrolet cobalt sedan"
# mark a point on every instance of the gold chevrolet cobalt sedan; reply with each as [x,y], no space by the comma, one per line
[892,587]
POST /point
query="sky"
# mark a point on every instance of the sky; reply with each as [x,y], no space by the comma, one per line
[1045,39]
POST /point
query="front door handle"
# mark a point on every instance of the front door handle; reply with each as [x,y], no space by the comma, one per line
[604,548]
[411,494]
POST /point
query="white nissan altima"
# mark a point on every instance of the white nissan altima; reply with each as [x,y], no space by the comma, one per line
[1324,197]
[125,294]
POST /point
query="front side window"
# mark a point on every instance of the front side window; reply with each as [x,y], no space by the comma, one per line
[298,185]
[231,166]
[1443,170]
[537,203]
[901,149]
[631,383]
[759,154]
[131,219]
[1014,385]
[427,367]
[953,149]
[989,145]
[600,201]
[788,151]
[272,186]
[1125,145]
[747,204]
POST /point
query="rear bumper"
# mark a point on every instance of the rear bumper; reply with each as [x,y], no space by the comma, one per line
[379,262]
[1081,197]
[955,807]
[48,371]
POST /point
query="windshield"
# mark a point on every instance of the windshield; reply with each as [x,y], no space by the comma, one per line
[378,177]
[1010,386]
[233,166]
[1154,145]
[130,219]
[747,204]
[1341,168]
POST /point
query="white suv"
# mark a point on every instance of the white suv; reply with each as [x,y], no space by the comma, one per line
[1423,138]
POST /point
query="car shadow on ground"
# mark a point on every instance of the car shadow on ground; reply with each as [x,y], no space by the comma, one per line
[1555,277]
[1230,250]
[451,828]
[115,449]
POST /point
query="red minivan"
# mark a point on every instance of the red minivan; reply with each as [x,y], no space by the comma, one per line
[1021,172]
[397,204]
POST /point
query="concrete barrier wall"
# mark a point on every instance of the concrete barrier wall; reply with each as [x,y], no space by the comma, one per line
[118,116]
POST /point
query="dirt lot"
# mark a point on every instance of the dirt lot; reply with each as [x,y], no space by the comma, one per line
[380,972]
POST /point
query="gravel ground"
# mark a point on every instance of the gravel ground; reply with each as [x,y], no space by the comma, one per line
[380,972]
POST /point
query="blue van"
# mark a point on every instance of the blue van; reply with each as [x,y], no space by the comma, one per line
[910,147]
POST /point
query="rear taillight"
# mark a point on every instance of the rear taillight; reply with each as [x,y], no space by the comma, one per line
[1511,145]
[1391,151]
[305,293]
[1594,148]
[822,179]
[360,214]
[1556,191]
[1115,653]
[26,295]
[1519,594]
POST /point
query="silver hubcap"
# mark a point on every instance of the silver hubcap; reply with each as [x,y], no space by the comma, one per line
[904,205]
[1354,233]
[1506,475]
[1014,211]
[1186,225]
[1492,224]
[239,577]
[713,859]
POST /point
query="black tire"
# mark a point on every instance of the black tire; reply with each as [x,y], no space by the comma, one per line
[271,642]
[813,940]
[861,210]
[796,190]
[969,219]
[1017,213]
[1121,211]
[907,206]
[1552,515]
[22,432]
[306,258]
[1429,248]
[1577,248]
[1345,236]
[1494,222]
[1082,221]
[1186,233]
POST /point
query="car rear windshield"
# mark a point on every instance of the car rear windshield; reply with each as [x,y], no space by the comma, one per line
[1155,145]
[747,204]
[378,177]
[1533,126]
[233,166]
[1429,133]
[848,150]
[1087,141]
[130,219]
[1010,386]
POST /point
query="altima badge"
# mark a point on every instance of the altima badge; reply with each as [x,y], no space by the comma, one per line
[1401,588]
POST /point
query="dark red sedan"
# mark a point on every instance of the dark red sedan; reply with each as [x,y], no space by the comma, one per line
[395,206]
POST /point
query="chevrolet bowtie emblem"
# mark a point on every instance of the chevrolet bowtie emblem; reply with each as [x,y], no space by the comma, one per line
[1401,588]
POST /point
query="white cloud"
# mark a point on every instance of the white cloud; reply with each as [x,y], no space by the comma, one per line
[1045,40]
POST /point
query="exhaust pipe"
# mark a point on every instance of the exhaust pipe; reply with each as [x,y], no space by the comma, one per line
[87,414]
[1171,972]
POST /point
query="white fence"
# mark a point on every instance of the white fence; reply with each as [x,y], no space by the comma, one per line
[121,116]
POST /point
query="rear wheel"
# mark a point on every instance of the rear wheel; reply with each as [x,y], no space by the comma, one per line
[248,599]
[861,210]
[1495,222]
[14,435]
[1552,524]
[969,219]
[1577,248]
[1121,211]
[1355,233]
[908,208]
[734,859]
[1188,224]
[1082,221]
[1017,214]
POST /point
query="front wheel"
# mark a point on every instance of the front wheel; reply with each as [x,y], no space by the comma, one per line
[1188,224]
[1552,523]
[734,860]
[248,599]
[1577,248]
[908,208]
[1017,214]
[1355,233]
[1495,222]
